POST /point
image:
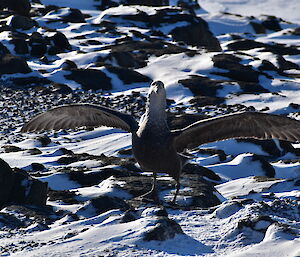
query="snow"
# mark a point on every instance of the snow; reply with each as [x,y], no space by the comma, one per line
[235,227]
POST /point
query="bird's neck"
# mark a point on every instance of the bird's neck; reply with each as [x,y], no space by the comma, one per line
[155,116]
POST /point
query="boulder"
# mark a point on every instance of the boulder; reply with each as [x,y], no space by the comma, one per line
[90,79]
[21,22]
[6,182]
[21,46]
[74,16]
[10,64]
[16,186]
[21,7]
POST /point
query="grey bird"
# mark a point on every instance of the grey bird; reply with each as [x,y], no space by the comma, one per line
[157,148]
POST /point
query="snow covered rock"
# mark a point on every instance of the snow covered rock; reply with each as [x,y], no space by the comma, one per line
[164,229]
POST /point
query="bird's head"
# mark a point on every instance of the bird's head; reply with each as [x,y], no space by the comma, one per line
[157,94]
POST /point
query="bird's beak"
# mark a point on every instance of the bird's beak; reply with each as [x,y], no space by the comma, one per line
[156,86]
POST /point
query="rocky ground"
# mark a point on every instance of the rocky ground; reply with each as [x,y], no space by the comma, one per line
[75,193]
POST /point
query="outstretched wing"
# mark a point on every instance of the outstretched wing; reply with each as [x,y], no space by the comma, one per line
[78,115]
[239,125]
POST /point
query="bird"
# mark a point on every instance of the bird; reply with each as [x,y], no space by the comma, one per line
[155,147]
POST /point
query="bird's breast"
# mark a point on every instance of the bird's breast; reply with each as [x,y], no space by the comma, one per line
[156,153]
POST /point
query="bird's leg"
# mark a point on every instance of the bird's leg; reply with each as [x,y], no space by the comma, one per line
[153,193]
[177,191]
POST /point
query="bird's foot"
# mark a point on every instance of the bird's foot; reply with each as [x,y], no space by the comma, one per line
[151,196]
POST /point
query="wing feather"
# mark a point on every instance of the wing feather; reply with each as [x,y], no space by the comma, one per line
[238,125]
[78,115]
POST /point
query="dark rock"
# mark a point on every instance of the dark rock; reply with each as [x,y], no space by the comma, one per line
[21,7]
[129,216]
[68,65]
[3,49]
[267,66]
[164,229]
[272,23]
[66,196]
[200,100]
[41,216]
[10,64]
[37,166]
[252,87]
[202,171]
[61,88]
[38,45]
[146,2]
[286,65]
[61,44]
[258,27]
[125,59]
[44,140]
[140,51]
[202,86]
[27,190]
[18,187]
[182,120]
[74,16]
[6,182]
[34,151]
[197,34]
[11,148]
[128,76]
[266,166]
[90,79]
[21,46]
[236,70]
[94,178]
[269,146]
[296,31]
[105,203]
[21,22]
[65,160]
[30,81]
[248,44]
